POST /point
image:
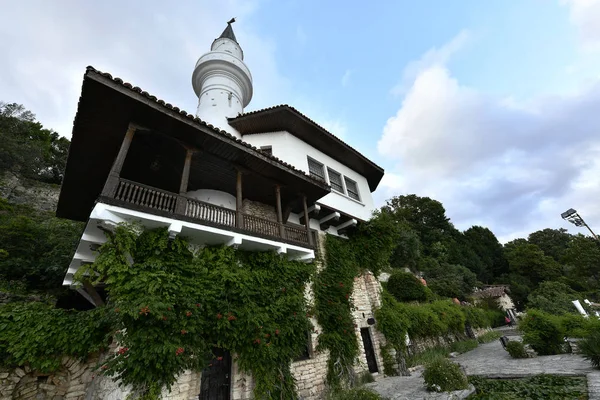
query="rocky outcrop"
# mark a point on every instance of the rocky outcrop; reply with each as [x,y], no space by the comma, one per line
[17,190]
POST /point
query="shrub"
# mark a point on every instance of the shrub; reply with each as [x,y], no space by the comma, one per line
[449,315]
[442,375]
[590,348]
[423,322]
[404,286]
[516,349]
[542,332]
[464,345]
[476,317]
[488,337]
[355,394]
[577,326]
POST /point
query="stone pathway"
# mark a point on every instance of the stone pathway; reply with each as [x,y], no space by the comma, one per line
[491,360]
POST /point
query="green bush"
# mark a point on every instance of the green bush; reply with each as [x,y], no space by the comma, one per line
[516,349]
[404,286]
[355,394]
[489,336]
[542,332]
[423,322]
[495,318]
[476,317]
[464,345]
[450,315]
[442,375]
[590,348]
[577,326]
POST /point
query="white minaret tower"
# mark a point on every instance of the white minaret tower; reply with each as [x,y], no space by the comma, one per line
[222,81]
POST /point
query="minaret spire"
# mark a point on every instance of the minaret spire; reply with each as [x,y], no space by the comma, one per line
[222,81]
[228,32]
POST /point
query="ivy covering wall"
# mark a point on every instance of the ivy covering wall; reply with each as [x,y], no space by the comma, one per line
[168,308]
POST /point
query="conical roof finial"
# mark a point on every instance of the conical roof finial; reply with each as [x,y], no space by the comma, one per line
[228,32]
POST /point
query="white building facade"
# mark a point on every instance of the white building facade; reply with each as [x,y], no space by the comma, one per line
[268,180]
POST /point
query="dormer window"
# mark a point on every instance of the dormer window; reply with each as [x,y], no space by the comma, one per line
[316,169]
[335,180]
[267,150]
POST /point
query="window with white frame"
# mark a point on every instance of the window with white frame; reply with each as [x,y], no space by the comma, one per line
[352,188]
[335,180]
[316,169]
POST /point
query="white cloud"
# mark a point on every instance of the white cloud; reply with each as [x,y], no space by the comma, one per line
[346,77]
[511,166]
[433,57]
[585,15]
[153,46]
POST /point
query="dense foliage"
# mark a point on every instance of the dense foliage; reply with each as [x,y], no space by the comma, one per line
[442,375]
[35,246]
[589,347]
[39,335]
[176,306]
[542,332]
[26,148]
[516,349]
[359,393]
[404,286]
[540,387]
[368,248]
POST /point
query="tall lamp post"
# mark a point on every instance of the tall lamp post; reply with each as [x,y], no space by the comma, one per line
[574,218]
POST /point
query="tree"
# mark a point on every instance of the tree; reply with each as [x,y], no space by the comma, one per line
[554,298]
[553,242]
[489,251]
[427,217]
[583,256]
[408,249]
[27,148]
[529,262]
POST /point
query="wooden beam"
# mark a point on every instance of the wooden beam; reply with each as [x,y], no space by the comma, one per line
[238,197]
[307,221]
[91,290]
[312,211]
[110,187]
[278,208]
[185,176]
[327,221]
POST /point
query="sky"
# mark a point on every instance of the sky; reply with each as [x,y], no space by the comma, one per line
[491,107]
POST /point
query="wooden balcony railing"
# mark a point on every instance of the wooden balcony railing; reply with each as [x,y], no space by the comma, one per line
[209,212]
[157,199]
[145,196]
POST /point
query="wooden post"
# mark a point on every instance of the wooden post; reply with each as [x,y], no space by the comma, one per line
[110,187]
[279,213]
[185,178]
[307,221]
[238,197]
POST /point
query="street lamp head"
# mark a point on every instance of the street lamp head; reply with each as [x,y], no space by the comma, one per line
[568,213]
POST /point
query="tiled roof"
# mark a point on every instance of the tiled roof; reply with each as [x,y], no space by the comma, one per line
[286,106]
[200,122]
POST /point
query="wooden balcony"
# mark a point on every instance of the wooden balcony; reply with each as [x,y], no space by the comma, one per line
[149,199]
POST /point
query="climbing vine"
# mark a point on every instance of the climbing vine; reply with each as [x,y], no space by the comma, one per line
[369,248]
[170,306]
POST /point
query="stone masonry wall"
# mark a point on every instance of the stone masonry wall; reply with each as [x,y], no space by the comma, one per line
[259,210]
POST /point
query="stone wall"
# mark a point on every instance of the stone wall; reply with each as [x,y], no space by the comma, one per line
[39,195]
[259,210]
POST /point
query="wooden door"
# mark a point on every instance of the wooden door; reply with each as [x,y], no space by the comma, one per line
[369,351]
[216,378]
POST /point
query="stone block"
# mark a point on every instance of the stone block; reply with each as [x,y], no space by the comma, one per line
[3,375]
[20,373]
[77,388]
[73,395]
